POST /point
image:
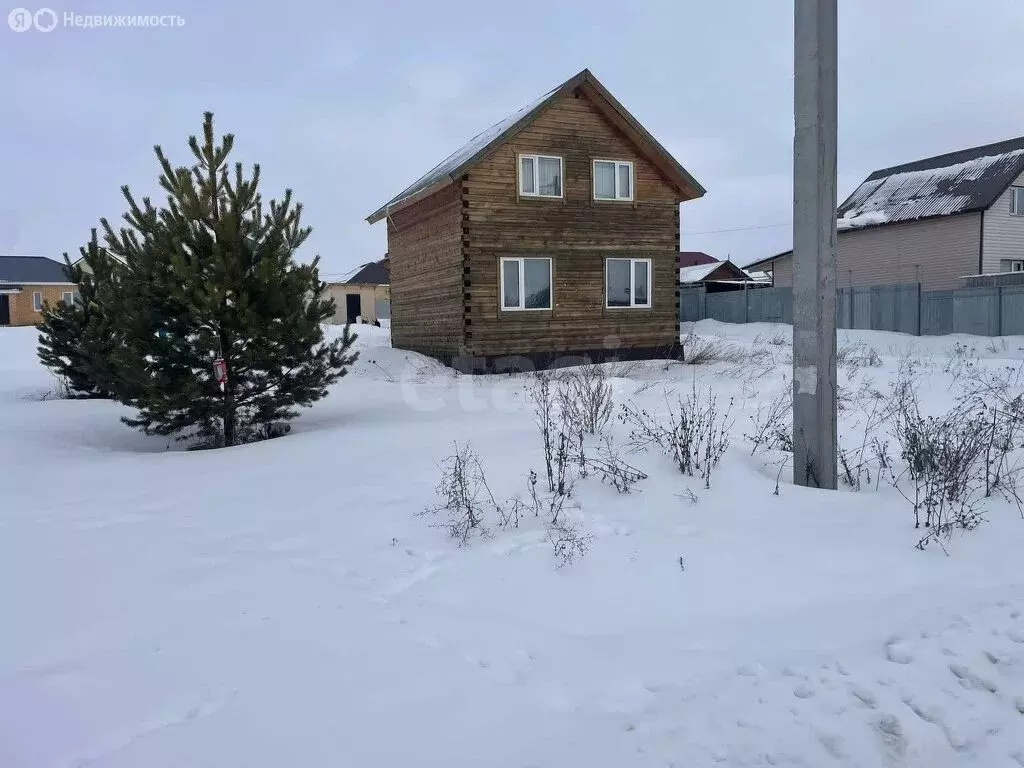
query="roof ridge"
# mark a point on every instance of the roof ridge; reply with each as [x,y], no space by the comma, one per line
[19,256]
[890,170]
[483,143]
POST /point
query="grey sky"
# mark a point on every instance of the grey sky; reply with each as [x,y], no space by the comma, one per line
[349,103]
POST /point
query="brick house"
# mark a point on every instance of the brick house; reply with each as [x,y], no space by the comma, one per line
[552,235]
[27,283]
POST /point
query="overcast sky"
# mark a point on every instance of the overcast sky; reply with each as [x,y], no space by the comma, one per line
[349,103]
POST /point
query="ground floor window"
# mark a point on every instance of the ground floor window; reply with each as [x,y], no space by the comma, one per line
[37,301]
[525,283]
[1011,265]
[68,297]
[627,283]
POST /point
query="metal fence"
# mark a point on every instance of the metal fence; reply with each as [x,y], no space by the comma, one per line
[982,311]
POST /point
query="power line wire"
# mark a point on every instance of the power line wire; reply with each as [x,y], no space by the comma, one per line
[738,229]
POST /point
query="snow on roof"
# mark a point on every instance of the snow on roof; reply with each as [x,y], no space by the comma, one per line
[861,219]
[957,182]
[466,151]
[697,272]
[477,147]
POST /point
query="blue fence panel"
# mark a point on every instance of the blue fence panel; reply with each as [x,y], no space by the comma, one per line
[936,313]
[727,307]
[861,299]
[1011,321]
[976,311]
[980,311]
[844,308]
[894,308]
[691,304]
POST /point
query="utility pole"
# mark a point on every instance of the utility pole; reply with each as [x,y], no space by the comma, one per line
[814,243]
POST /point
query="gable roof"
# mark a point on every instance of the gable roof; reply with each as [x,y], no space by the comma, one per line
[752,266]
[956,182]
[718,270]
[481,145]
[373,273]
[691,258]
[31,269]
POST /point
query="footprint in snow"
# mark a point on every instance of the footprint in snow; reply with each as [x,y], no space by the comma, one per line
[891,732]
[833,744]
[748,670]
[928,715]
[803,692]
[897,651]
[864,696]
[969,679]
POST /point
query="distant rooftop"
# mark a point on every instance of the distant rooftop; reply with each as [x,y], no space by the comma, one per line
[372,273]
[693,258]
[31,269]
[956,182]
[716,271]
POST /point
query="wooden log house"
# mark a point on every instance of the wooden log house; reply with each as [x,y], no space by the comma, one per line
[549,238]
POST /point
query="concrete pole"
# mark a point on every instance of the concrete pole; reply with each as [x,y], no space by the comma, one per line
[814,244]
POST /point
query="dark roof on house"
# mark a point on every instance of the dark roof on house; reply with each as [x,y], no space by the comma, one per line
[373,273]
[693,258]
[481,145]
[956,182]
[31,269]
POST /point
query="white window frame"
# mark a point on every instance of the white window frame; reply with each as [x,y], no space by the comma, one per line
[1017,201]
[632,282]
[67,298]
[1014,265]
[522,284]
[618,164]
[37,301]
[536,175]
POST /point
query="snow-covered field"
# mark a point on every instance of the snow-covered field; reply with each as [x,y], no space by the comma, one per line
[281,604]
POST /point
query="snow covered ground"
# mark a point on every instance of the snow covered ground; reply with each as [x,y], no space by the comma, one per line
[282,604]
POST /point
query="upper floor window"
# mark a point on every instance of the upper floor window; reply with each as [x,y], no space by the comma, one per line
[526,283]
[37,301]
[627,283]
[613,180]
[540,176]
[1017,201]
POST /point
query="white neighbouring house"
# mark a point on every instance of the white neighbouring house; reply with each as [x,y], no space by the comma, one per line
[931,222]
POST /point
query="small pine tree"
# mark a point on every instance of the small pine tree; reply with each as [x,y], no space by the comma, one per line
[211,276]
[75,339]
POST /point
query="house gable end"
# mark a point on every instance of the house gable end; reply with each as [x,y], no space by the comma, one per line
[486,143]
